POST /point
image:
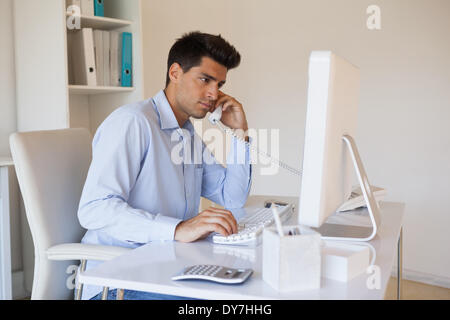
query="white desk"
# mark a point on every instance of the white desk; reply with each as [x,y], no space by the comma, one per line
[150,267]
[5,234]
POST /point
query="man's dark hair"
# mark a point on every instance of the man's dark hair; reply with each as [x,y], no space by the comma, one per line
[189,50]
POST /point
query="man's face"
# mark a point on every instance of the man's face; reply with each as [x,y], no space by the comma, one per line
[197,90]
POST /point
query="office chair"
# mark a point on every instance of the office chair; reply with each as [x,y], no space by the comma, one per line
[51,169]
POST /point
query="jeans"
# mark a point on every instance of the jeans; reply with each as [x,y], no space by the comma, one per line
[139,295]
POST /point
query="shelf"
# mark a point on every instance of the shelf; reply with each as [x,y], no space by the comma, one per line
[102,22]
[6,161]
[76,89]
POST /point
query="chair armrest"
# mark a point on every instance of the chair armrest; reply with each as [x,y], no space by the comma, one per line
[80,251]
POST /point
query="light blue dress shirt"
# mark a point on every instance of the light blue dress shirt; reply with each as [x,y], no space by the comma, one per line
[147,175]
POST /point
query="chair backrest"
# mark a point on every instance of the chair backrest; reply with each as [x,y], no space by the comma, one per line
[51,169]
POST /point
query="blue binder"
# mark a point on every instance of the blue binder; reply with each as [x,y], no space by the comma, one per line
[127,62]
[99,8]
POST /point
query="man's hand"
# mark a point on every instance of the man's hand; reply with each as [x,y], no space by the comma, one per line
[207,221]
[233,115]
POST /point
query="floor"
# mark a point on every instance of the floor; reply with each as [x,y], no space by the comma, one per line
[416,291]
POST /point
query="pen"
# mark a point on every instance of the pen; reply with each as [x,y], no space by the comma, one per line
[277,220]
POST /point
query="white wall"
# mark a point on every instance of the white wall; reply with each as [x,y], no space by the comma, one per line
[7,77]
[7,126]
[403,136]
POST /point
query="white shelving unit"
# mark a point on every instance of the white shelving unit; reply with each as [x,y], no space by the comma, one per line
[104,23]
[5,230]
[88,90]
[45,100]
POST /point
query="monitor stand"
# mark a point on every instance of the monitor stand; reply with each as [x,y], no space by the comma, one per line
[331,231]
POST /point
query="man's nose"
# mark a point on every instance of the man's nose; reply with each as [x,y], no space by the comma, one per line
[213,93]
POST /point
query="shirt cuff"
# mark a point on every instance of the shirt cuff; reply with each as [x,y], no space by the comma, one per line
[164,228]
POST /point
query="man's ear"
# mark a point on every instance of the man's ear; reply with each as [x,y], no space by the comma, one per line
[175,72]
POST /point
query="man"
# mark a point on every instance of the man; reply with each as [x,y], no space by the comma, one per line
[136,190]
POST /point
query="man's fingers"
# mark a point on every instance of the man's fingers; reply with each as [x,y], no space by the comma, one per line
[220,229]
[206,228]
[225,214]
[219,210]
[211,220]
[222,100]
[227,104]
[228,223]
[222,221]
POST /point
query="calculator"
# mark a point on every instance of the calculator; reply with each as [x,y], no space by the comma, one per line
[214,273]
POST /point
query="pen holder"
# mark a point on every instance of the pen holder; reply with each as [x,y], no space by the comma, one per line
[291,262]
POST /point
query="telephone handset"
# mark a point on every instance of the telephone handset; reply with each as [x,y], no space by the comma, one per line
[215,117]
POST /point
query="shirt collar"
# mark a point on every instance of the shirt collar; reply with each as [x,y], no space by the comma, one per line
[166,116]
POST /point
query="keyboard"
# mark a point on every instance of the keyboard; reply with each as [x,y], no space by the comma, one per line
[356,199]
[251,226]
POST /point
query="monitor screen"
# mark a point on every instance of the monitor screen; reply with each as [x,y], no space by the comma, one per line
[331,113]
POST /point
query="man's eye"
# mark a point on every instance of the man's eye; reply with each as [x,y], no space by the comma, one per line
[206,80]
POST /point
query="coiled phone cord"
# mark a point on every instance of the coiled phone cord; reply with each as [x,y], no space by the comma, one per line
[260,152]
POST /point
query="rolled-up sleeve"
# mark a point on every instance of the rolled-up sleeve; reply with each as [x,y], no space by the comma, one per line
[228,186]
[119,147]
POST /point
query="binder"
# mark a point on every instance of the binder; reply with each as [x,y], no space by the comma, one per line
[99,56]
[106,57]
[115,61]
[127,55]
[83,56]
[87,7]
[99,9]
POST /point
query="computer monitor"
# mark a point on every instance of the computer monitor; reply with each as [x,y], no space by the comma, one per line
[330,155]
